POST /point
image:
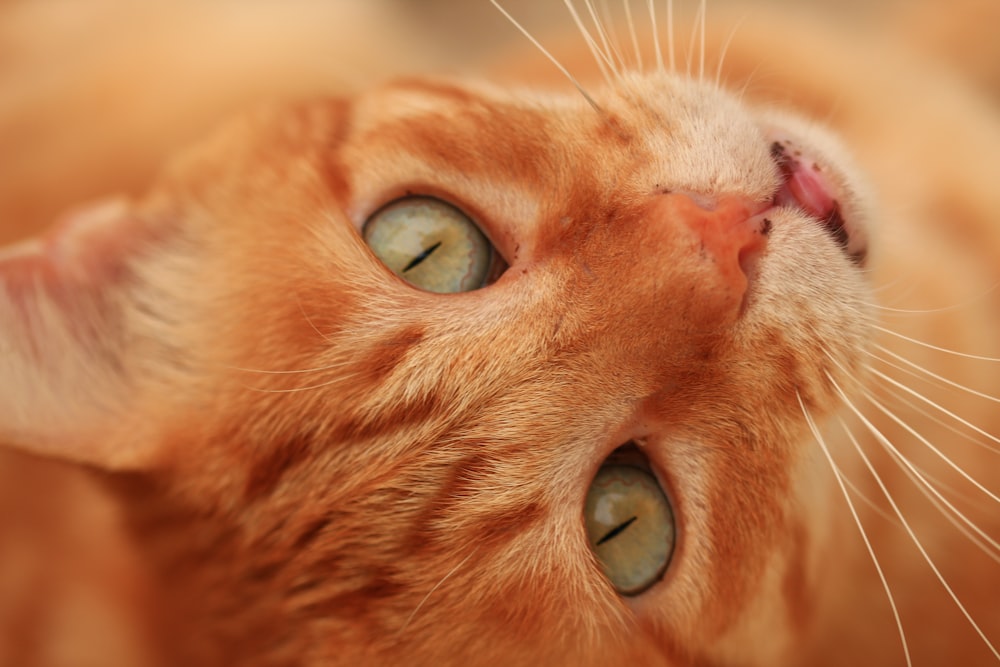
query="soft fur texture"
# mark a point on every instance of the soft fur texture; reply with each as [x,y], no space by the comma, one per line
[235,438]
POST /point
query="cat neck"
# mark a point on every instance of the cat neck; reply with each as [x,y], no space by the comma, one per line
[215,599]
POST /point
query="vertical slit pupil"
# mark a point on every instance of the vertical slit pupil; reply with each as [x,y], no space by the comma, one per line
[617,530]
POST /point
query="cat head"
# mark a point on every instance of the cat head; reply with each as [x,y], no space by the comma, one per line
[356,364]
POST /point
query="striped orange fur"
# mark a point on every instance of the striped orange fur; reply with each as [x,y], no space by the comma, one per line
[233,436]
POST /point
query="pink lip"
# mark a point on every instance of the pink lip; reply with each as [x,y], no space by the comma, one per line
[807,187]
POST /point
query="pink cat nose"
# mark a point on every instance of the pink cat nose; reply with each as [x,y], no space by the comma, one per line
[731,230]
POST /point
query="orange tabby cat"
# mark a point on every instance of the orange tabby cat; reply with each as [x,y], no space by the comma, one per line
[453,372]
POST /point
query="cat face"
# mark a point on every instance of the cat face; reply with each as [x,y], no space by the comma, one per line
[370,465]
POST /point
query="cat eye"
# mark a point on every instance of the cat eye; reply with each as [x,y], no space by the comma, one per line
[431,245]
[630,526]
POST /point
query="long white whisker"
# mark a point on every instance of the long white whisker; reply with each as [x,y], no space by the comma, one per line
[746,84]
[693,39]
[921,343]
[909,287]
[971,535]
[656,36]
[859,493]
[857,520]
[609,22]
[614,56]
[927,443]
[906,525]
[957,306]
[631,30]
[951,464]
[552,59]
[603,62]
[702,10]
[920,480]
[941,408]
[939,378]
[937,420]
[670,35]
[725,51]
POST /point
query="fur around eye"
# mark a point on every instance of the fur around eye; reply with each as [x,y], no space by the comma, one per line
[431,245]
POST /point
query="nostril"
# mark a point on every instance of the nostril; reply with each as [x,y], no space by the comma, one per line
[751,253]
[731,231]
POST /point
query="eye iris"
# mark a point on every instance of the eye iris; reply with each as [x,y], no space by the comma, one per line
[630,527]
[430,244]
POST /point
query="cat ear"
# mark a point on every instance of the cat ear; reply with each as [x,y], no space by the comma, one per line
[71,338]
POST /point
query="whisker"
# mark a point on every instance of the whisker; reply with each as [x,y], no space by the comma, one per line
[693,38]
[945,309]
[725,51]
[982,544]
[941,408]
[299,371]
[749,80]
[603,63]
[927,443]
[937,420]
[614,36]
[552,59]
[939,378]
[431,592]
[614,55]
[889,284]
[908,289]
[631,30]
[888,413]
[921,343]
[656,37]
[924,485]
[857,520]
[702,11]
[690,48]
[858,492]
[913,537]
[924,482]
[670,35]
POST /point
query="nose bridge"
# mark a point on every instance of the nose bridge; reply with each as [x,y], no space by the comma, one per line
[687,261]
[660,283]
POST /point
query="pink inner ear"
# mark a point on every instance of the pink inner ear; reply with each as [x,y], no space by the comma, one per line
[85,248]
[83,256]
[65,339]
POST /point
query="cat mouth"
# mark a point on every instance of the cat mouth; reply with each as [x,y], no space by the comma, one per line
[807,186]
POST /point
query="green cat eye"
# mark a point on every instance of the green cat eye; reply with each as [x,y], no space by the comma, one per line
[430,244]
[630,527]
